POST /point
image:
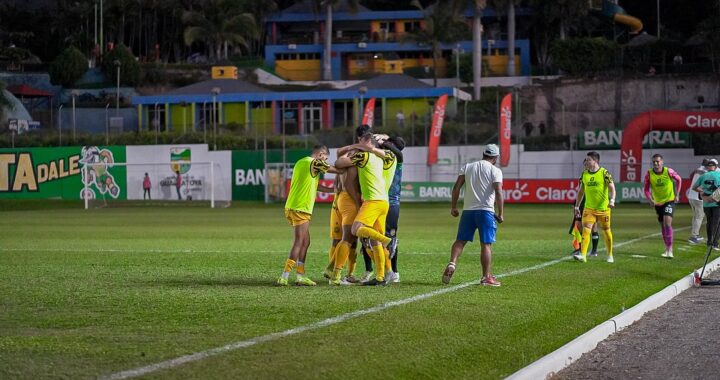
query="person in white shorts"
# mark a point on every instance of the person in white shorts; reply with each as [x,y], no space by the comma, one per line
[696,204]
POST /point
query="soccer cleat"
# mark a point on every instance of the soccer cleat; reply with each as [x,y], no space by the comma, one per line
[390,277]
[282,281]
[667,255]
[695,240]
[489,281]
[610,259]
[396,280]
[716,247]
[579,257]
[367,276]
[373,282]
[448,273]
[593,253]
[339,282]
[351,279]
[327,273]
[575,252]
[304,281]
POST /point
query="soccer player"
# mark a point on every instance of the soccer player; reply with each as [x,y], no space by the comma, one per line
[576,231]
[299,207]
[370,221]
[345,207]
[662,189]
[393,179]
[483,196]
[706,185]
[598,189]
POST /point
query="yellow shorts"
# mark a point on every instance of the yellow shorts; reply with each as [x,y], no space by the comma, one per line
[343,213]
[373,213]
[297,218]
[591,216]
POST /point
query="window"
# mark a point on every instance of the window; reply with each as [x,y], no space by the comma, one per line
[156,117]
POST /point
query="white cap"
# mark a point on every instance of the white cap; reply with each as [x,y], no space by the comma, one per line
[491,150]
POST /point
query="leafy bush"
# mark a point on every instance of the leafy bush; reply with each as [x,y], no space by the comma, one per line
[68,67]
[129,66]
[577,56]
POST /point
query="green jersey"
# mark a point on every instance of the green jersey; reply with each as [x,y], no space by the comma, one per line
[389,165]
[595,185]
[304,184]
[370,174]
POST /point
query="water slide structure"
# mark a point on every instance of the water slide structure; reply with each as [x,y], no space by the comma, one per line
[617,13]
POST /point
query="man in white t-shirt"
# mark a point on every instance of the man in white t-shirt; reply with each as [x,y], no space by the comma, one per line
[696,204]
[483,196]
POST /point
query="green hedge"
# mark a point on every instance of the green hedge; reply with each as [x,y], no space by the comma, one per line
[579,56]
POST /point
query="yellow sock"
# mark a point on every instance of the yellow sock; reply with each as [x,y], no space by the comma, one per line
[379,255]
[585,241]
[341,255]
[608,241]
[352,261]
[577,237]
[388,263]
[331,258]
[369,233]
[289,265]
[300,268]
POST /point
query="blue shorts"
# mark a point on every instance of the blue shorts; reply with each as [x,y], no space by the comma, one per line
[481,220]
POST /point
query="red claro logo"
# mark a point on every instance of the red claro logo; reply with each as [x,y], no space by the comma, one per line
[552,191]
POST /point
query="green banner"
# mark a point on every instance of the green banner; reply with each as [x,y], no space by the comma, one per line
[248,171]
[426,191]
[630,192]
[27,173]
[611,139]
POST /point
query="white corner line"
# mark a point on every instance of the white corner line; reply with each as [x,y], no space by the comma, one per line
[141,371]
[555,361]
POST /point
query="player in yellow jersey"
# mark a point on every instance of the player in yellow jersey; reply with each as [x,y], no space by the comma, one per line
[662,190]
[345,207]
[598,188]
[370,221]
[299,207]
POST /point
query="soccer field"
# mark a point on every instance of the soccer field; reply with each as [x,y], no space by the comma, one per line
[87,294]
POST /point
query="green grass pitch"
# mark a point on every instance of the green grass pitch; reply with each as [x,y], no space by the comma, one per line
[88,294]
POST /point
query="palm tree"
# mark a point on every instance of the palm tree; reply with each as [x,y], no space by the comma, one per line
[443,24]
[220,25]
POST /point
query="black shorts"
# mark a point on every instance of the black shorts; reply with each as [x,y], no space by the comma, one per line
[665,209]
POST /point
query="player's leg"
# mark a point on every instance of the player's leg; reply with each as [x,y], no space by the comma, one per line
[595,240]
[391,224]
[603,219]
[342,253]
[487,229]
[667,230]
[465,234]
[301,279]
[367,215]
[300,233]
[697,219]
[588,219]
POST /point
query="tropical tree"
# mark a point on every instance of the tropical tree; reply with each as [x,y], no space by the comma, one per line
[128,64]
[219,26]
[68,67]
[708,33]
[553,18]
[443,25]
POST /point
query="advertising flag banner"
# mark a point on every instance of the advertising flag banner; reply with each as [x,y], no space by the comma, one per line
[436,130]
[505,129]
[369,114]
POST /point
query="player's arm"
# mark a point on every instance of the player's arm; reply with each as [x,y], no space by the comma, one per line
[611,193]
[678,183]
[646,187]
[499,202]
[456,194]
[343,161]
[325,189]
[351,185]
[391,147]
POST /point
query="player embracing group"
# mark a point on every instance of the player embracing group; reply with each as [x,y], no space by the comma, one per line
[366,206]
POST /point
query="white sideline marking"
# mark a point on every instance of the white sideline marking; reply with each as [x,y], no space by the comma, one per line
[140,371]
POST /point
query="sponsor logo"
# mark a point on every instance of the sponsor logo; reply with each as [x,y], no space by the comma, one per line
[27,175]
[629,162]
[180,159]
[698,121]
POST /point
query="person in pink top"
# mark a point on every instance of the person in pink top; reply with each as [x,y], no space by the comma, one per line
[178,183]
[146,187]
[662,189]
